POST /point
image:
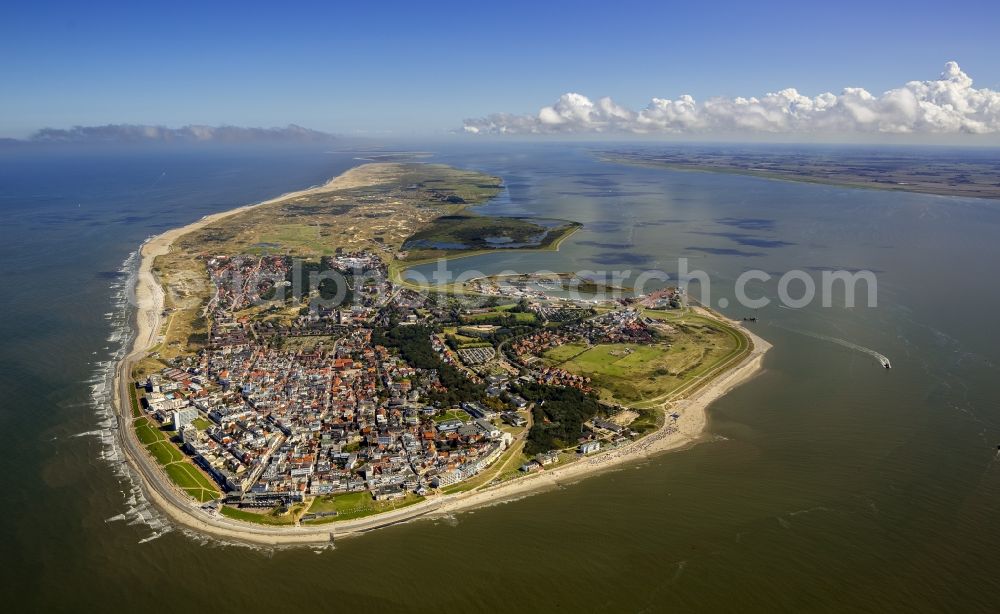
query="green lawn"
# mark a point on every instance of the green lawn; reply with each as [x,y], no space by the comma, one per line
[201,423]
[186,475]
[178,468]
[202,495]
[369,507]
[191,481]
[136,411]
[453,414]
[352,500]
[164,452]
[500,314]
[356,505]
[562,353]
[631,373]
[262,517]
[323,503]
[147,433]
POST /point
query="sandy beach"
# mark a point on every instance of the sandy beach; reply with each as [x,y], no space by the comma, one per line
[687,429]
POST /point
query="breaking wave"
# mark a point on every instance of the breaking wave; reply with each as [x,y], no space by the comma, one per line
[138,511]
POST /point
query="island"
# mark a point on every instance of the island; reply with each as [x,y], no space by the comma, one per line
[968,173]
[288,384]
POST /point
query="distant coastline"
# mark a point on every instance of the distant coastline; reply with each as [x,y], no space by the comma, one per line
[919,176]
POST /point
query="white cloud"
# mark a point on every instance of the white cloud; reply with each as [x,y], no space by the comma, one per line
[948,105]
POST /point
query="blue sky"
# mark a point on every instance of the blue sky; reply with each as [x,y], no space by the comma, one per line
[413,68]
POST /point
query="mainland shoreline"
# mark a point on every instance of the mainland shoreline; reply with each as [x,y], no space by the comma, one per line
[686,430]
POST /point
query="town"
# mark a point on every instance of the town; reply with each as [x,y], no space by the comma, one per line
[321,379]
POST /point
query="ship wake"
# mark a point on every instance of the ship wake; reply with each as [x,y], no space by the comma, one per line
[882,359]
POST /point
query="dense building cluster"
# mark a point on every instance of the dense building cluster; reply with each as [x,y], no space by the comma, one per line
[281,420]
[320,378]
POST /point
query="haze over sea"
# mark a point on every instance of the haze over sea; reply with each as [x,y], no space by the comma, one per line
[824,476]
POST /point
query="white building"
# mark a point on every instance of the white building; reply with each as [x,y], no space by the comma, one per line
[589,447]
[183,417]
[488,429]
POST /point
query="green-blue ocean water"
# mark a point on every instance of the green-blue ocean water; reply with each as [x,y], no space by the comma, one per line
[824,484]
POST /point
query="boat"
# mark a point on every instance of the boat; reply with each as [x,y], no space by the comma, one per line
[886,364]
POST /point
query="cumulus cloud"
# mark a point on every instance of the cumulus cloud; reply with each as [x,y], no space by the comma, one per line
[127,133]
[948,105]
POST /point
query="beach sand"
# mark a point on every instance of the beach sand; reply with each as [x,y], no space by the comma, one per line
[149,300]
